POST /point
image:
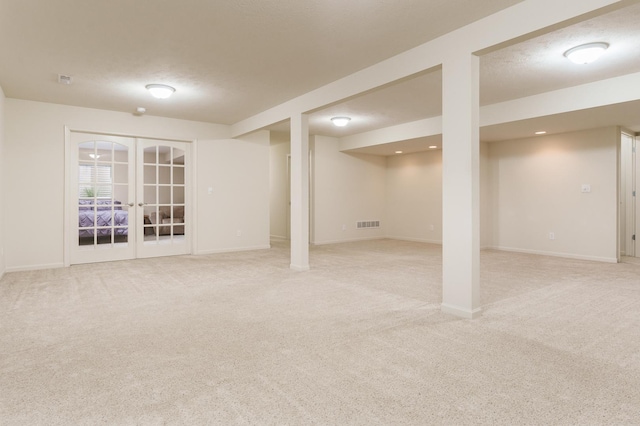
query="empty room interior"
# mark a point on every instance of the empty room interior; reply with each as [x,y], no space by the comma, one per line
[319,212]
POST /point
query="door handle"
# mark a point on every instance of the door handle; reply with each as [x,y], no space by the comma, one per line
[142,204]
[130,204]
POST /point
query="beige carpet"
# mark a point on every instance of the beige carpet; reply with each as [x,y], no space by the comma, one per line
[240,339]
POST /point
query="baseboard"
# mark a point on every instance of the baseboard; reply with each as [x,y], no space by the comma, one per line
[278,238]
[232,249]
[556,254]
[35,267]
[416,240]
[460,312]
[299,268]
[347,240]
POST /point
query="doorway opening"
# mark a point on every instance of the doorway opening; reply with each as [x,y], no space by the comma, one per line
[628,206]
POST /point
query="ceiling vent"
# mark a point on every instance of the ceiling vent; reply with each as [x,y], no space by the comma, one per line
[64,79]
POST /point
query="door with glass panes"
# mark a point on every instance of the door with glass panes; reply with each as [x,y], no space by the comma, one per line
[128,198]
[162,198]
[102,194]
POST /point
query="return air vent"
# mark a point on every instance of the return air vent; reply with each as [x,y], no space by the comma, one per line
[366,224]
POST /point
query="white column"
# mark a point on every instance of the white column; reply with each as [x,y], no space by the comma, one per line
[300,192]
[461,186]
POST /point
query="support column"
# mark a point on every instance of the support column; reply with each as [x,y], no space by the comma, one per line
[461,186]
[300,192]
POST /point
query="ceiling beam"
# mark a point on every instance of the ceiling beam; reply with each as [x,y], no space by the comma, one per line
[612,91]
[511,24]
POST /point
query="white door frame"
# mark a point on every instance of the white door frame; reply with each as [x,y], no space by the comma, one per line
[70,209]
[636,144]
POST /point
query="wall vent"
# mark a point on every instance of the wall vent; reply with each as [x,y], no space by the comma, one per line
[366,224]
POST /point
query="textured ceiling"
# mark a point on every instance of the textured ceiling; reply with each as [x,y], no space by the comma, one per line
[232,59]
[227,59]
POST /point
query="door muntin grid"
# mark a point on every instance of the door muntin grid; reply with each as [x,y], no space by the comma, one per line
[164,194]
[103,194]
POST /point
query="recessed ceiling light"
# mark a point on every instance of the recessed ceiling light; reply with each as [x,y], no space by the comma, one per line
[586,53]
[340,121]
[398,152]
[160,91]
[433,146]
[541,132]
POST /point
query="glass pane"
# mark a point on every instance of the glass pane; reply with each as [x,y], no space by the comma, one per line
[150,155]
[178,195]
[103,156]
[104,236]
[103,191]
[150,174]
[120,173]
[178,156]
[150,194]
[120,153]
[121,195]
[164,155]
[178,175]
[164,195]
[164,175]
[177,228]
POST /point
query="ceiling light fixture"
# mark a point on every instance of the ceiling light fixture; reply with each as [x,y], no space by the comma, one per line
[340,121]
[398,152]
[541,132]
[94,156]
[586,53]
[160,91]
[433,146]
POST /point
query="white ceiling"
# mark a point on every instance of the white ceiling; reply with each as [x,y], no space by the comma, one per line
[232,59]
[228,59]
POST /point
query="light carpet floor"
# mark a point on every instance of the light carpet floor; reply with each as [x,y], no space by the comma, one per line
[239,338]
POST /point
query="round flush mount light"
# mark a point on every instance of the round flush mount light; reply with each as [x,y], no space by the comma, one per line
[433,146]
[340,121]
[398,152]
[586,53]
[541,132]
[160,91]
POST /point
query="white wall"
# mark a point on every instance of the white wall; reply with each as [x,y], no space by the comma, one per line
[536,187]
[34,141]
[2,192]
[345,188]
[414,197]
[279,184]
[235,216]
[486,197]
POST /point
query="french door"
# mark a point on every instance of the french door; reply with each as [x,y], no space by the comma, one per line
[126,198]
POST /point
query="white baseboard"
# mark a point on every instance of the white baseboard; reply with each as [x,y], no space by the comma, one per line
[278,238]
[299,268]
[232,249]
[416,240]
[347,240]
[35,267]
[460,312]
[555,254]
